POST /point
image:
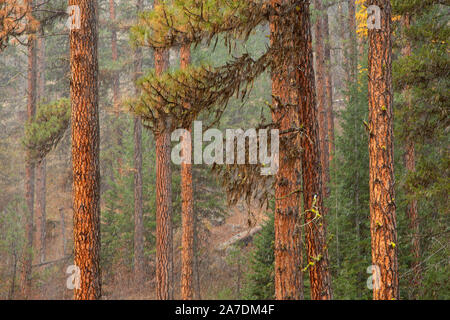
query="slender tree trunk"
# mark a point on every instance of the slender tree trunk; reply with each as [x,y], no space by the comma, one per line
[41,167]
[343,44]
[139,268]
[287,231]
[115,76]
[29,168]
[40,208]
[381,154]
[63,231]
[329,87]
[164,237]
[322,100]
[85,150]
[352,65]
[316,241]
[410,164]
[187,206]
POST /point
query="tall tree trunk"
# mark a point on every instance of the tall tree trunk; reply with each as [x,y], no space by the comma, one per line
[115,75]
[139,268]
[316,241]
[187,206]
[85,150]
[164,247]
[164,237]
[322,100]
[329,86]
[41,167]
[287,231]
[411,211]
[381,154]
[29,167]
[352,65]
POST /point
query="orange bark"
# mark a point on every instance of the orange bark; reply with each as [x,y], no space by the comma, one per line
[85,151]
[316,241]
[322,100]
[381,154]
[164,241]
[288,277]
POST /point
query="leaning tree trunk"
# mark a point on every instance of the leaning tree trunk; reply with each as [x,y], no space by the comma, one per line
[411,211]
[321,100]
[187,206]
[164,246]
[139,268]
[288,276]
[316,241]
[381,154]
[41,167]
[85,150]
[29,168]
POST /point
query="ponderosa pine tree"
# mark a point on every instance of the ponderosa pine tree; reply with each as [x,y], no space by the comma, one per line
[287,206]
[421,81]
[85,150]
[206,87]
[383,223]
[322,101]
[315,226]
[164,247]
[41,174]
[30,164]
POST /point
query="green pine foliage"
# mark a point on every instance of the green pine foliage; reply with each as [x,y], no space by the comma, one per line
[260,284]
[12,242]
[421,84]
[348,221]
[43,133]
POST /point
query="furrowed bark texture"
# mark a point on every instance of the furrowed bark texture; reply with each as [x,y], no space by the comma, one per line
[164,241]
[321,100]
[187,207]
[315,227]
[288,277]
[381,154]
[85,151]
